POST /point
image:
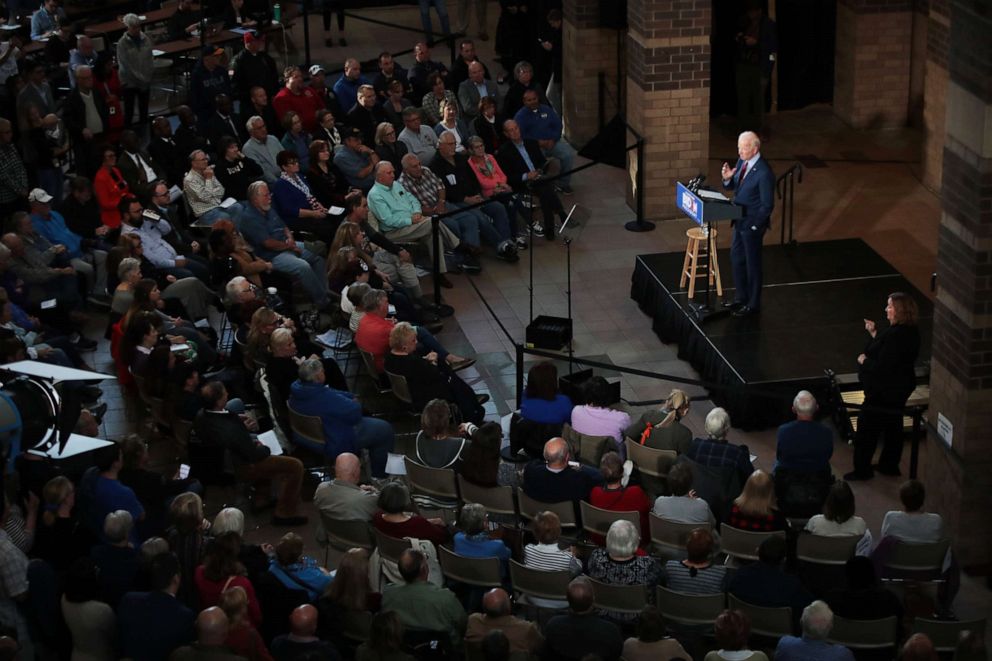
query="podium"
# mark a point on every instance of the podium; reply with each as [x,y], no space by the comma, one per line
[705,208]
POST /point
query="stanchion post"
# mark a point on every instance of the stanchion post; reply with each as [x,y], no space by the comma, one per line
[435,238]
[306,32]
[914,453]
[520,373]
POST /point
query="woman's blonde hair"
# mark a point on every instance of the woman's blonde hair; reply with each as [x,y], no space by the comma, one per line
[758,495]
[234,602]
[54,494]
[677,400]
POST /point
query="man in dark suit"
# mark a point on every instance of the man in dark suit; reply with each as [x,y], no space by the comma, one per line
[86,132]
[166,152]
[224,121]
[553,480]
[753,181]
[524,165]
[138,168]
[152,624]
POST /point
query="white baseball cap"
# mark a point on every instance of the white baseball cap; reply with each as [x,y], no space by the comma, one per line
[39,195]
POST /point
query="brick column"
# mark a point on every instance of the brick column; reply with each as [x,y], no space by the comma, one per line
[935,91]
[668,95]
[959,478]
[587,50]
[872,62]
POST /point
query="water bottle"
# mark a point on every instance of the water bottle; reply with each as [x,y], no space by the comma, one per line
[273,300]
[277,13]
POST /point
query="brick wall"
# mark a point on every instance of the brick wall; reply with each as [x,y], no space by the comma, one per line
[668,83]
[587,50]
[959,478]
[934,95]
[872,62]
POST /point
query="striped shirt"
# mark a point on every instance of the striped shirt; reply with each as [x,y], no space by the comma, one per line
[548,557]
[708,580]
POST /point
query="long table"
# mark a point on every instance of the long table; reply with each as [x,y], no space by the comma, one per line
[148,18]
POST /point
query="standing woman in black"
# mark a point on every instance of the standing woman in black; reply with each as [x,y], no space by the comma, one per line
[886,372]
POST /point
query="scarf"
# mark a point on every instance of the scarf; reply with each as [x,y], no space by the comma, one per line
[300,185]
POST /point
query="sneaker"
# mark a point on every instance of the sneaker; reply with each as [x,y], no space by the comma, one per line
[522,242]
[507,253]
[482,399]
[538,228]
[458,365]
[471,265]
[98,412]
[83,344]
[563,189]
[101,300]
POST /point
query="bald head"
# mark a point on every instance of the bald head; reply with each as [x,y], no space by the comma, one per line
[556,453]
[580,595]
[347,468]
[212,626]
[496,603]
[918,648]
[303,621]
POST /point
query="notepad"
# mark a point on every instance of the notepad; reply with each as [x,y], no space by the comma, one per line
[157,53]
[269,440]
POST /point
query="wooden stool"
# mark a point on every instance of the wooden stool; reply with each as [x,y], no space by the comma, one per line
[696,236]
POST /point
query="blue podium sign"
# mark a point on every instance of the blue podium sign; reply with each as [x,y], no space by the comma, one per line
[689,203]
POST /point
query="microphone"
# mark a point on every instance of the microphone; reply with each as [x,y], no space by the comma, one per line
[696,182]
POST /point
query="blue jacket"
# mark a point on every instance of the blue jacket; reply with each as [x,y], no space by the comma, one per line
[339,412]
[288,199]
[205,85]
[346,91]
[756,194]
[173,625]
[54,229]
[541,124]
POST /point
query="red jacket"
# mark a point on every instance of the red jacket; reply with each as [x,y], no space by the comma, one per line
[373,336]
[109,190]
[630,499]
[305,104]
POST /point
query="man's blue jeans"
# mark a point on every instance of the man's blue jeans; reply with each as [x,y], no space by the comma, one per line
[425,18]
[309,269]
[377,437]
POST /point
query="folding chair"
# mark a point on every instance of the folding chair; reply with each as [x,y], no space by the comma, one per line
[587,449]
[437,482]
[652,463]
[823,550]
[496,500]
[944,634]
[529,508]
[552,585]
[344,535]
[596,521]
[669,537]
[390,548]
[481,572]
[618,598]
[765,621]
[691,609]
[743,544]
[308,431]
[864,634]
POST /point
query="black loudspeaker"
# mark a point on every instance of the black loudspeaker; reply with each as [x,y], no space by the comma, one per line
[613,14]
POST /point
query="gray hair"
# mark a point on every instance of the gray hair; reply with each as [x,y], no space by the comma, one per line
[127,265]
[454,136]
[408,160]
[622,539]
[252,120]
[309,369]
[752,137]
[717,423]
[804,403]
[82,68]
[131,20]
[229,519]
[381,165]
[817,621]
[475,141]
[117,526]
[555,450]
[255,187]
[473,518]
[153,546]
[520,66]
[233,288]
[371,299]
[410,111]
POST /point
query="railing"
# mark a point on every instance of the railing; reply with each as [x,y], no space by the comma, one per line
[785,190]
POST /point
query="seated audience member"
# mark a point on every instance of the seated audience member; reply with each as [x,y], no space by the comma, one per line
[596,418]
[764,583]
[715,451]
[340,412]
[838,518]
[385,641]
[297,97]
[436,94]
[252,556]
[864,597]
[912,524]
[152,229]
[163,148]
[140,170]
[262,147]
[683,506]
[204,192]
[91,622]
[60,537]
[581,631]
[375,329]
[295,140]
[804,445]
[187,538]
[696,574]
[486,126]
[302,642]
[102,493]
[282,364]
[497,615]
[542,401]
[234,170]
[224,122]
[473,89]
[343,498]
[366,115]
[388,147]
[212,629]
[295,202]
[242,638]
[553,480]
[651,642]
[273,241]
[327,183]
[109,187]
[481,459]
[616,496]
[438,444]
[754,509]
[452,122]
[474,541]
[350,593]
[918,647]
[355,160]
[232,257]
[545,554]
[116,559]
[539,122]
[816,622]
[221,570]
[327,130]
[421,605]
[152,624]
[420,140]
[295,570]
[526,168]
[41,267]
[252,460]
[663,429]
[153,489]
[620,564]
[732,630]
[395,519]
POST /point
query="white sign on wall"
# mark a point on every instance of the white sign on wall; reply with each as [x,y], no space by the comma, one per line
[945,429]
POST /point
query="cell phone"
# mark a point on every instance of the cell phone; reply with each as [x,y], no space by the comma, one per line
[175,348]
[573,464]
[183,471]
[392,309]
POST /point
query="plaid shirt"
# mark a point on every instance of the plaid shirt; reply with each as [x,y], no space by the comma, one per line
[13,581]
[13,176]
[720,453]
[427,189]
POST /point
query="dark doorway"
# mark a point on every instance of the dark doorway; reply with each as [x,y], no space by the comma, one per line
[805,61]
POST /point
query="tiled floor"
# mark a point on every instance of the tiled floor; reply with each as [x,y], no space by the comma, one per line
[867,187]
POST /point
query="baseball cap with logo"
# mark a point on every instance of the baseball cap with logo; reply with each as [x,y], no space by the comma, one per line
[253,35]
[39,195]
[315,69]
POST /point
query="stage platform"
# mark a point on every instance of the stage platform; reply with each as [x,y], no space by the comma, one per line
[814,300]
